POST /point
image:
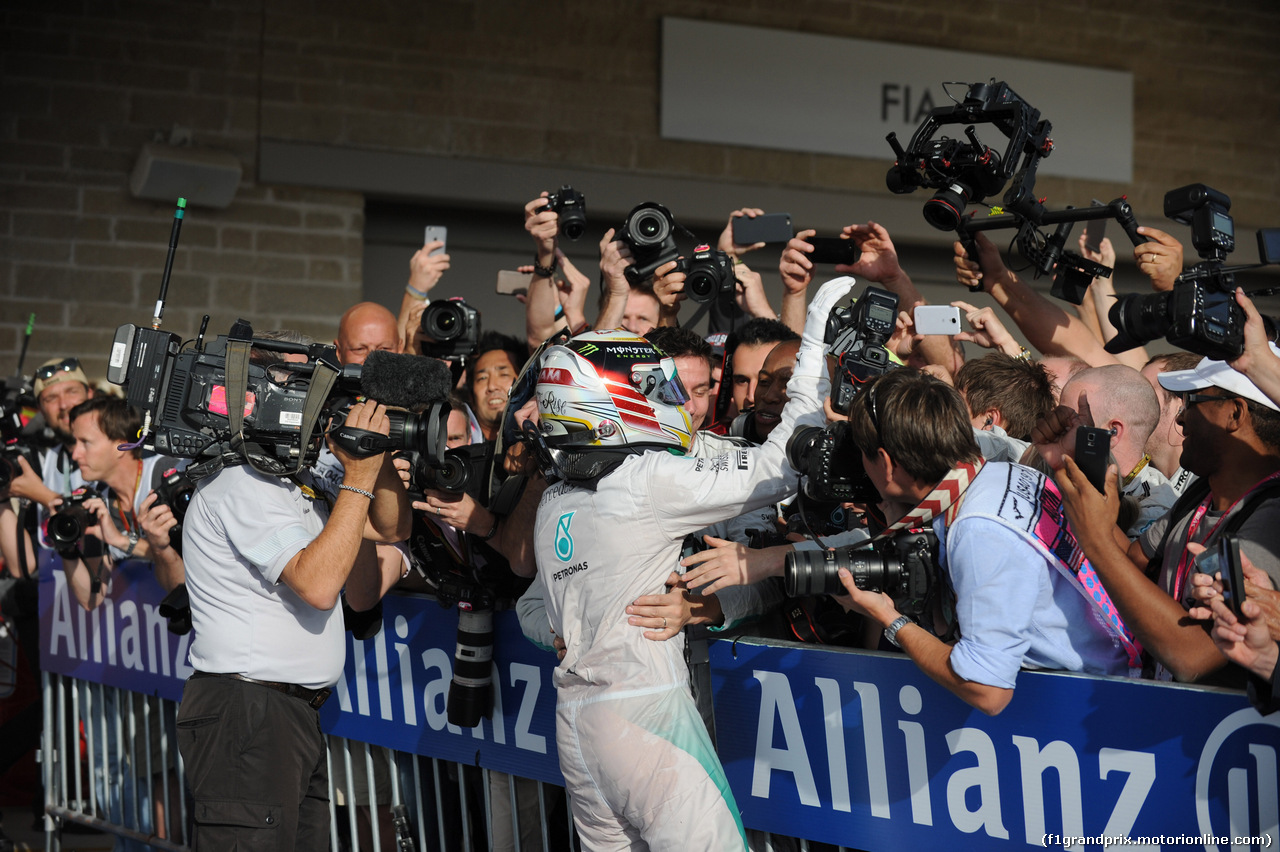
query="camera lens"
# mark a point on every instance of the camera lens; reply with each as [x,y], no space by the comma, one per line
[700,286]
[649,227]
[471,691]
[944,210]
[1139,319]
[573,224]
[442,322]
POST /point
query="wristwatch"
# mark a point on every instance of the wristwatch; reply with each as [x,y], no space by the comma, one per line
[891,632]
[133,543]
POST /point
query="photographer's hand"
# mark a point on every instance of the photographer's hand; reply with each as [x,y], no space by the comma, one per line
[879,259]
[726,243]
[156,522]
[728,563]
[749,292]
[30,485]
[797,271]
[1054,431]
[668,287]
[573,292]
[988,332]
[459,511]
[543,224]
[1258,361]
[615,257]
[1160,259]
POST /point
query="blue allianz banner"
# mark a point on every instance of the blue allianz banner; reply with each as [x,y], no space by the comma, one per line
[392,692]
[861,749]
[851,748]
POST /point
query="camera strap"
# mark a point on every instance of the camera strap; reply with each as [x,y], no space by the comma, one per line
[944,499]
[324,377]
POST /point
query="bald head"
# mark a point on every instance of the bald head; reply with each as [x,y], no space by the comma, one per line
[364,328]
[1117,394]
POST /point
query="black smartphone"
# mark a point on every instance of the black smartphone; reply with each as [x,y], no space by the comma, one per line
[1232,573]
[1094,231]
[1093,447]
[766,228]
[833,250]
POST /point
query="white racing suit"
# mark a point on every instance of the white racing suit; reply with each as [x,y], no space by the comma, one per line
[636,757]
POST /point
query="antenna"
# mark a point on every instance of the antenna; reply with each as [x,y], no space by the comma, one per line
[168,261]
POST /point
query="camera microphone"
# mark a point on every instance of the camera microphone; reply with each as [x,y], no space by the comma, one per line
[405,381]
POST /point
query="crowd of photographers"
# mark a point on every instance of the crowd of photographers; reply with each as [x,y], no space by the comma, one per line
[816,473]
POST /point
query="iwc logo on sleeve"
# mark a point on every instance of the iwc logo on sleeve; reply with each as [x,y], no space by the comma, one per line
[564,540]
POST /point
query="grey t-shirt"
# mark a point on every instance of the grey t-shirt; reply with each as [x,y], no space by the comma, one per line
[1259,540]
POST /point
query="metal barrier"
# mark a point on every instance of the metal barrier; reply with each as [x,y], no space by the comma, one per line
[109,761]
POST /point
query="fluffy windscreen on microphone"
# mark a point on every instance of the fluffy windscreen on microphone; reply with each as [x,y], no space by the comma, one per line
[405,381]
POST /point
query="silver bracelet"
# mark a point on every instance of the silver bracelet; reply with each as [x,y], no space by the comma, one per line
[355,490]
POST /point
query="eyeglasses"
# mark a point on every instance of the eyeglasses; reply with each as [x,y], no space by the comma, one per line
[875,414]
[1197,398]
[66,365]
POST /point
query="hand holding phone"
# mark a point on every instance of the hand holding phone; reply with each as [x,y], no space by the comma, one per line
[1093,448]
[1232,573]
[769,228]
[833,250]
[436,234]
[936,319]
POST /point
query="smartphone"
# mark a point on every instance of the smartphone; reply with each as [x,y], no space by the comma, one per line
[1093,447]
[1095,230]
[767,228]
[511,282]
[436,233]
[936,319]
[1232,573]
[833,250]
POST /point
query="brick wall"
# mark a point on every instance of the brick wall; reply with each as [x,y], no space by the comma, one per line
[85,84]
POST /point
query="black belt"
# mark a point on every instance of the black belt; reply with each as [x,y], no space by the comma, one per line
[314,697]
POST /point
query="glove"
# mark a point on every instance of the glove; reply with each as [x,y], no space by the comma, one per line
[811,361]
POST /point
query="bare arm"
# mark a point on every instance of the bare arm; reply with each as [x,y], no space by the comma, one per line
[1050,329]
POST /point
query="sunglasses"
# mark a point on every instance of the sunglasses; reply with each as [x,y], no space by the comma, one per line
[1197,398]
[66,365]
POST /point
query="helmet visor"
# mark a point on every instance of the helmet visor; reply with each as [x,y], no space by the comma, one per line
[660,382]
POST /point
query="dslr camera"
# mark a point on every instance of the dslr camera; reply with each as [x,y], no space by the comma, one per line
[649,231]
[66,526]
[175,490]
[904,567]
[1200,314]
[856,336]
[708,275]
[830,465]
[571,206]
[453,327]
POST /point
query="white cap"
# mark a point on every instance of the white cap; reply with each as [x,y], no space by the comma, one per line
[1218,374]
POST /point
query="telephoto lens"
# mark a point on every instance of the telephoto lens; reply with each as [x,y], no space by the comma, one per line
[471,692]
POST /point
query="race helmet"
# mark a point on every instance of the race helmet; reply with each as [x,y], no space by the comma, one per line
[611,390]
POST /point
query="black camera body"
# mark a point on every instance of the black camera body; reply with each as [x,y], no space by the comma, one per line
[453,327]
[462,470]
[856,336]
[904,567]
[708,275]
[571,206]
[175,490]
[649,232]
[830,465]
[65,527]
[185,398]
[1200,314]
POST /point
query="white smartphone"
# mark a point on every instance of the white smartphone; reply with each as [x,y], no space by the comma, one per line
[511,282]
[436,233]
[936,319]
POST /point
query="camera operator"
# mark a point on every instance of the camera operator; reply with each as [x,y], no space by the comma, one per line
[60,385]
[1232,443]
[1016,603]
[99,426]
[266,561]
